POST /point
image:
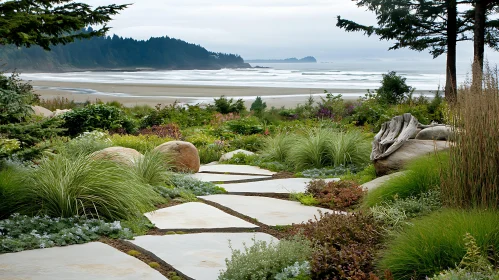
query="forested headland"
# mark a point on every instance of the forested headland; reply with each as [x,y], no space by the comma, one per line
[117,53]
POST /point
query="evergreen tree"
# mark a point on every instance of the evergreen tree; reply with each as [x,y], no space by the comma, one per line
[51,22]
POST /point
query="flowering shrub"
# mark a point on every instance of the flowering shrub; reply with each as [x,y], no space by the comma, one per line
[20,233]
[341,194]
[265,260]
[345,245]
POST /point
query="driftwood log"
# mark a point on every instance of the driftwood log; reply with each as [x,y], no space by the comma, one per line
[393,135]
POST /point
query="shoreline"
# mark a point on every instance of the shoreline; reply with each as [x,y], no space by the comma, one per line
[130,94]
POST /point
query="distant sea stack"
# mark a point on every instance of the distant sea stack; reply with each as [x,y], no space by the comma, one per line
[308,59]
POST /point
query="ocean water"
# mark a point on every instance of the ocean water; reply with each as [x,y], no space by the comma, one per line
[335,75]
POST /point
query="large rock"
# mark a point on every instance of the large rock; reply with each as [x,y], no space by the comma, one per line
[410,150]
[435,133]
[41,111]
[58,112]
[120,155]
[184,155]
[378,182]
[230,155]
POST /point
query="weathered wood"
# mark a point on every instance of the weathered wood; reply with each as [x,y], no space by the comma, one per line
[393,135]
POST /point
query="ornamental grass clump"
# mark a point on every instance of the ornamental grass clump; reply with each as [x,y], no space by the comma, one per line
[152,168]
[435,243]
[67,187]
[276,148]
[267,260]
[421,175]
[472,179]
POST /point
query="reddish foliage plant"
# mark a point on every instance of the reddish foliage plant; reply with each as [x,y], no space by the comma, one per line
[336,195]
[344,245]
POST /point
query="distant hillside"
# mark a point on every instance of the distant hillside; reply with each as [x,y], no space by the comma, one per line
[308,59]
[104,53]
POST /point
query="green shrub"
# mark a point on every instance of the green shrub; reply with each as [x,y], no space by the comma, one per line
[258,106]
[423,175]
[184,116]
[199,138]
[20,233]
[65,187]
[16,96]
[395,214]
[366,175]
[224,105]
[264,260]
[344,245]
[141,143]
[252,143]
[95,117]
[393,89]
[368,111]
[212,152]
[435,242]
[242,159]
[245,126]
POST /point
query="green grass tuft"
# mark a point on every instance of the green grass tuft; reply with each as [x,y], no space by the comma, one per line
[423,174]
[435,243]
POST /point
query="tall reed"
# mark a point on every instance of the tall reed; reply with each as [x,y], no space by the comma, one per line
[472,179]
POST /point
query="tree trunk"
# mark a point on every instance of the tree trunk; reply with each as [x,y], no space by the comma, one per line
[479,41]
[451,76]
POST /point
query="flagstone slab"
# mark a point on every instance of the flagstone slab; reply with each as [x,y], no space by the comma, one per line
[277,186]
[235,169]
[225,178]
[199,256]
[77,262]
[269,211]
[196,216]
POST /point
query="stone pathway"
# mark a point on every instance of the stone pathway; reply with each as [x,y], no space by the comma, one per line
[200,254]
[196,216]
[87,261]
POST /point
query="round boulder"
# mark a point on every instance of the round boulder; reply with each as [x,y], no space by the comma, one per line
[119,155]
[230,155]
[41,111]
[410,150]
[435,133]
[60,112]
[184,155]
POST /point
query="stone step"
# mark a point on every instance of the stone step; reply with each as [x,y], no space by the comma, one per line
[269,211]
[77,262]
[199,256]
[235,169]
[196,216]
[227,178]
[277,186]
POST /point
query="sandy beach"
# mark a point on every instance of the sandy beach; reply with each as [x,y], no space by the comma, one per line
[152,94]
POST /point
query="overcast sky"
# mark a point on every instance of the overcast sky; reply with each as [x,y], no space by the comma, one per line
[262,28]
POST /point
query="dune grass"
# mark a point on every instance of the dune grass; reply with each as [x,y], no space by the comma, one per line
[422,175]
[472,179]
[435,243]
[65,187]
